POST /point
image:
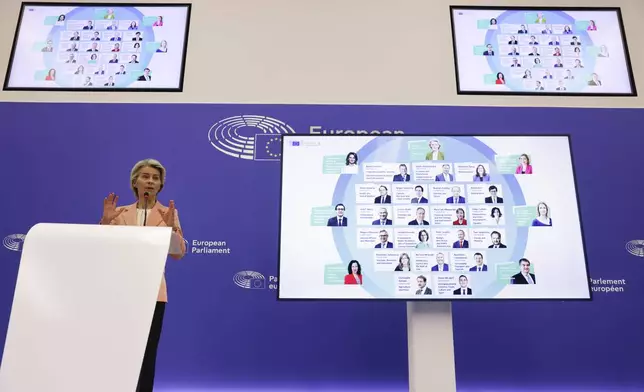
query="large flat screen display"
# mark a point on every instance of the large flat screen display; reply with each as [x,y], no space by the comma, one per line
[547,51]
[63,46]
[430,217]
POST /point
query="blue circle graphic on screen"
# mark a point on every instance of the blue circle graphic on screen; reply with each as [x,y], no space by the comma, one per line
[574,66]
[82,65]
[376,281]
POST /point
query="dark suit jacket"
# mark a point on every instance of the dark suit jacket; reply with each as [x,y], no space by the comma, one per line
[422,200]
[502,246]
[389,245]
[445,267]
[519,279]
[475,268]
[387,200]
[334,221]
[377,222]
[450,200]
[498,199]
[441,177]
[414,223]
[427,291]
[465,244]
[399,178]
[458,291]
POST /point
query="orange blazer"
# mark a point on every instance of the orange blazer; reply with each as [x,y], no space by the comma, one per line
[128,218]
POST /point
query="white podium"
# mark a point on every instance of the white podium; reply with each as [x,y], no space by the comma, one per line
[430,341]
[82,307]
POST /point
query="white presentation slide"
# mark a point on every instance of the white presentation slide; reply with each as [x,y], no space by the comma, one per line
[99,46]
[541,51]
[430,217]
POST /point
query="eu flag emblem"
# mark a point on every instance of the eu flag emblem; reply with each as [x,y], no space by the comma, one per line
[268,147]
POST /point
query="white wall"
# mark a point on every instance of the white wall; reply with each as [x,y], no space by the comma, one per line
[331,51]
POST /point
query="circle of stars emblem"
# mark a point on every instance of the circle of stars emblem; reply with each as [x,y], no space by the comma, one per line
[271,145]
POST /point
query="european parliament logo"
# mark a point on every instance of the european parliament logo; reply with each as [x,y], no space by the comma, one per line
[635,247]
[249,280]
[14,242]
[249,136]
[255,281]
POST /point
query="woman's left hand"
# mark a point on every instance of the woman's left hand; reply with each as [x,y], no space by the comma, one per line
[169,215]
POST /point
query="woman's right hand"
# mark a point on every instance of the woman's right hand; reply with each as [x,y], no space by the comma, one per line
[109,209]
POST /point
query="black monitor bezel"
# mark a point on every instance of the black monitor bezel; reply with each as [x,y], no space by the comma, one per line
[24,5]
[410,299]
[627,56]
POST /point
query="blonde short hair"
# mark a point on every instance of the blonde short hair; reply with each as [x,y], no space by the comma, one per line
[134,174]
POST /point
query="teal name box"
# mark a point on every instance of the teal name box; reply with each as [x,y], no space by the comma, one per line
[505,271]
[524,215]
[334,274]
[333,164]
[418,149]
[507,164]
[320,215]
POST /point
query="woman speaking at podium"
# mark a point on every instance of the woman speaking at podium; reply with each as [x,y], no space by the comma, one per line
[146,180]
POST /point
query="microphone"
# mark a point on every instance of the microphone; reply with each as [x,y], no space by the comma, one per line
[146,195]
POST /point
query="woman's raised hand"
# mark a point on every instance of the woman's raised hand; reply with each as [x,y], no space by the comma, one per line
[109,209]
[169,216]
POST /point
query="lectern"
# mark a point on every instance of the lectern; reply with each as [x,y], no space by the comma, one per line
[83,306]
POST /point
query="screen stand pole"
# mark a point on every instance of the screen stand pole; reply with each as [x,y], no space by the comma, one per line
[430,341]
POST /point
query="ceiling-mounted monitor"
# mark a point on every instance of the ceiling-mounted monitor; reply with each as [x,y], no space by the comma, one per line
[99,46]
[560,51]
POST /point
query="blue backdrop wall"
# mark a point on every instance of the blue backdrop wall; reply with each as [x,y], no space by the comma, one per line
[60,160]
